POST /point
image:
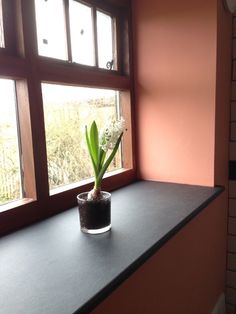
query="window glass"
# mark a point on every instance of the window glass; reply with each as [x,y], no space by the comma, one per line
[81,29]
[10,173]
[51,34]
[105,41]
[2,45]
[67,109]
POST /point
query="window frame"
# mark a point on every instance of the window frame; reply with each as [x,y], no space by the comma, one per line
[23,64]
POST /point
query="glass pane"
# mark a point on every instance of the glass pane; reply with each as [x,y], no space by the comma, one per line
[2,45]
[10,174]
[105,41]
[67,109]
[81,29]
[51,32]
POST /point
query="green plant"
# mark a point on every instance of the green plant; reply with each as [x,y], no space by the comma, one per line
[98,146]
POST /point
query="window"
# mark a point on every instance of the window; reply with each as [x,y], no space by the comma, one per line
[81,30]
[58,72]
[51,33]
[10,169]
[80,33]
[67,109]
[105,41]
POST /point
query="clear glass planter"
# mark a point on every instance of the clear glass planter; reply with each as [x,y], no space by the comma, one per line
[95,215]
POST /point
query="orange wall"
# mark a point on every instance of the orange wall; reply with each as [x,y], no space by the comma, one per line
[175,57]
[185,277]
[182,84]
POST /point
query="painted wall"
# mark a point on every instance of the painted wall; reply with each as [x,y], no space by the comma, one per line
[182,74]
[176,89]
[184,277]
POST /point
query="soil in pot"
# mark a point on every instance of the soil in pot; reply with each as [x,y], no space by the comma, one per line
[95,214]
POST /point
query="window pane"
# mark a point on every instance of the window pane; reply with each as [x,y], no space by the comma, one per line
[67,110]
[10,174]
[2,45]
[81,28]
[51,33]
[105,41]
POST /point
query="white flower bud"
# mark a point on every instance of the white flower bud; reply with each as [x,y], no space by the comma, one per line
[111,133]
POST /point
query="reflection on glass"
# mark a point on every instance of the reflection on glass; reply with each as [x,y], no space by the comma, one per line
[67,109]
[10,174]
[81,29]
[105,41]
[51,33]
[2,45]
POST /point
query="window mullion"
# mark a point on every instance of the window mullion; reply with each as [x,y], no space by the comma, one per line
[9,31]
[2,39]
[31,110]
[67,23]
[94,15]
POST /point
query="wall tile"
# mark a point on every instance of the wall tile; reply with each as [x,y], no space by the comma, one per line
[231,279]
[232,244]
[233,111]
[232,207]
[231,295]
[234,49]
[234,27]
[232,150]
[233,93]
[233,131]
[230,309]
[231,261]
[232,226]
[232,189]
[234,70]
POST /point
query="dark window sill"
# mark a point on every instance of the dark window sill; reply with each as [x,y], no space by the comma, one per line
[51,267]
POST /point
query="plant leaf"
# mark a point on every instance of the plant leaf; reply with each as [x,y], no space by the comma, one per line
[90,152]
[108,161]
[101,158]
[94,142]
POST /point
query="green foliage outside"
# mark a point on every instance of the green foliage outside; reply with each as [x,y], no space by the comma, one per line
[9,165]
[68,158]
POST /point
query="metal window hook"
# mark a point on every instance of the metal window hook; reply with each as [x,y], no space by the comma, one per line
[110,64]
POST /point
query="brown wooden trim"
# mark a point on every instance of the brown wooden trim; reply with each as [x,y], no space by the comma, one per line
[80,75]
[34,211]
[15,204]
[125,41]
[29,186]
[9,18]
[129,69]
[29,29]
[12,67]
[102,5]
[19,30]
[120,3]
[38,136]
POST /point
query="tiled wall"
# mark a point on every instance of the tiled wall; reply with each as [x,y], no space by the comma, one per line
[231,259]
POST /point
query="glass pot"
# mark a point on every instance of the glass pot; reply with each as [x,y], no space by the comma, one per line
[95,214]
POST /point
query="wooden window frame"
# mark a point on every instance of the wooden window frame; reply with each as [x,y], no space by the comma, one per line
[20,61]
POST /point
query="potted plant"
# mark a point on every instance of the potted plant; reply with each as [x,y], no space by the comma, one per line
[95,205]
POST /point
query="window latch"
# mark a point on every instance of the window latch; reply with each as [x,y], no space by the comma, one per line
[109,64]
